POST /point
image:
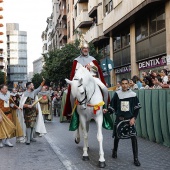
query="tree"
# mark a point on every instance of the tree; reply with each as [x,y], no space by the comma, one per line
[37,79]
[2,77]
[58,63]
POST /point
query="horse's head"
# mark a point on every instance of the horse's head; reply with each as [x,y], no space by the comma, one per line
[78,91]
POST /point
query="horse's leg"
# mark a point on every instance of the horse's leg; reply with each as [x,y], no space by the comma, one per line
[99,121]
[85,135]
[77,137]
[87,128]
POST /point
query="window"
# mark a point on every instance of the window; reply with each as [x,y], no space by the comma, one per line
[122,40]
[142,30]
[152,24]
[125,39]
[157,21]
[108,7]
[117,43]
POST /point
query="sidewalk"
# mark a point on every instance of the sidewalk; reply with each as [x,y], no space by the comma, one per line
[36,156]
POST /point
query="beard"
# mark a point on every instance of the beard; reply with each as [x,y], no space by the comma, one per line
[32,89]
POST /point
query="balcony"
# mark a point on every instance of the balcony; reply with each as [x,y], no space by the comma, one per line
[2,64]
[92,8]
[83,20]
[80,1]
[63,34]
[1,56]
[95,33]
[63,13]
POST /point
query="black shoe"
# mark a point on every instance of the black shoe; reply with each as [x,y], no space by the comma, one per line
[27,143]
[136,162]
[114,154]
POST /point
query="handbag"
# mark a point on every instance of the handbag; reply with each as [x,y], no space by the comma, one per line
[124,130]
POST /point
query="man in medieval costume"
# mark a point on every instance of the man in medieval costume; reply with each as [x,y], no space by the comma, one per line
[31,110]
[125,105]
[9,117]
[92,65]
[45,103]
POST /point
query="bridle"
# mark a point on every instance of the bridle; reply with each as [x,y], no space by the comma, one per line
[85,97]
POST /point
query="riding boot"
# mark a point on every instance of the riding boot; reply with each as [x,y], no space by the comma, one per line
[114,152]
[32,139]
[135,150]
[28,133]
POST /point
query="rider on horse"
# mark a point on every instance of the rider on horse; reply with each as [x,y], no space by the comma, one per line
[91,64]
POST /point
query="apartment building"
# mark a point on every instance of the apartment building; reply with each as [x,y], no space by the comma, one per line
[70,21]
[134,34]
[139,35]
[17,55]
[38,65]
[55,24]
[3,57]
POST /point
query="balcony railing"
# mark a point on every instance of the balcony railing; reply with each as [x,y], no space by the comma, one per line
[94,33]
[83,20]
[2,64]
[92,7]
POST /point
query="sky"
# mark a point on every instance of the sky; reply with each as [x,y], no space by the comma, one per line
[31,16]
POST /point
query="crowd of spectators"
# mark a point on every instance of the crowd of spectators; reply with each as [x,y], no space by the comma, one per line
[149,80]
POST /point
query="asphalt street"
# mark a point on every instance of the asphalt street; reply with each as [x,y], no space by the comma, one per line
[57,150]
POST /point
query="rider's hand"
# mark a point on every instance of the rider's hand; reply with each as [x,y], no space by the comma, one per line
[105,111]
[132,121]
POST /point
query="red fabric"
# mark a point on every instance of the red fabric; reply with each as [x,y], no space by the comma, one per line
[67,108]
[100,72]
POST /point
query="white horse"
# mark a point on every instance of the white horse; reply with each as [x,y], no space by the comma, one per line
[88,94]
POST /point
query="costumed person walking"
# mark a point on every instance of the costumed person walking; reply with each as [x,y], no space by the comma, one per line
[10,126]
[30,111]
[45,103]
[125,105]
[92,65]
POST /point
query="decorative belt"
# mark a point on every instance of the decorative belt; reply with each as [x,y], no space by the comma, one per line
[43,103]
[8,112]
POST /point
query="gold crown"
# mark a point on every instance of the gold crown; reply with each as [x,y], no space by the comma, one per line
[83,42]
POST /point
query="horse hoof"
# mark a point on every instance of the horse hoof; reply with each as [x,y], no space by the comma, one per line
[102,164]
[86,158]
[77,140]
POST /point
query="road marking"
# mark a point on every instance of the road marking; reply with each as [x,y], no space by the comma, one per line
[65,161]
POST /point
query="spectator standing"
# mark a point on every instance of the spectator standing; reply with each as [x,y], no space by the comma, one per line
[133,85]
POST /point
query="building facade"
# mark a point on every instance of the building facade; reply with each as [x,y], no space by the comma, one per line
[3,56]
[139,35]
[17,55]
[134,34]
[38,65]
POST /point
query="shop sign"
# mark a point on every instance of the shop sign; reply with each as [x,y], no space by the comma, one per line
[123,70]
[156,62]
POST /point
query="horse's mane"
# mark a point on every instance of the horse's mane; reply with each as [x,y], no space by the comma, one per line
[85,75]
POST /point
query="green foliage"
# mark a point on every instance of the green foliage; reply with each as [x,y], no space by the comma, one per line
[2,77]
[37,79]
[58,63]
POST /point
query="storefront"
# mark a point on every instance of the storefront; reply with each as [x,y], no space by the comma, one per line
[123,72]
[155,64]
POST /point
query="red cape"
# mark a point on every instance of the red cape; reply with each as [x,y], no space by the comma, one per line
[67,108]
